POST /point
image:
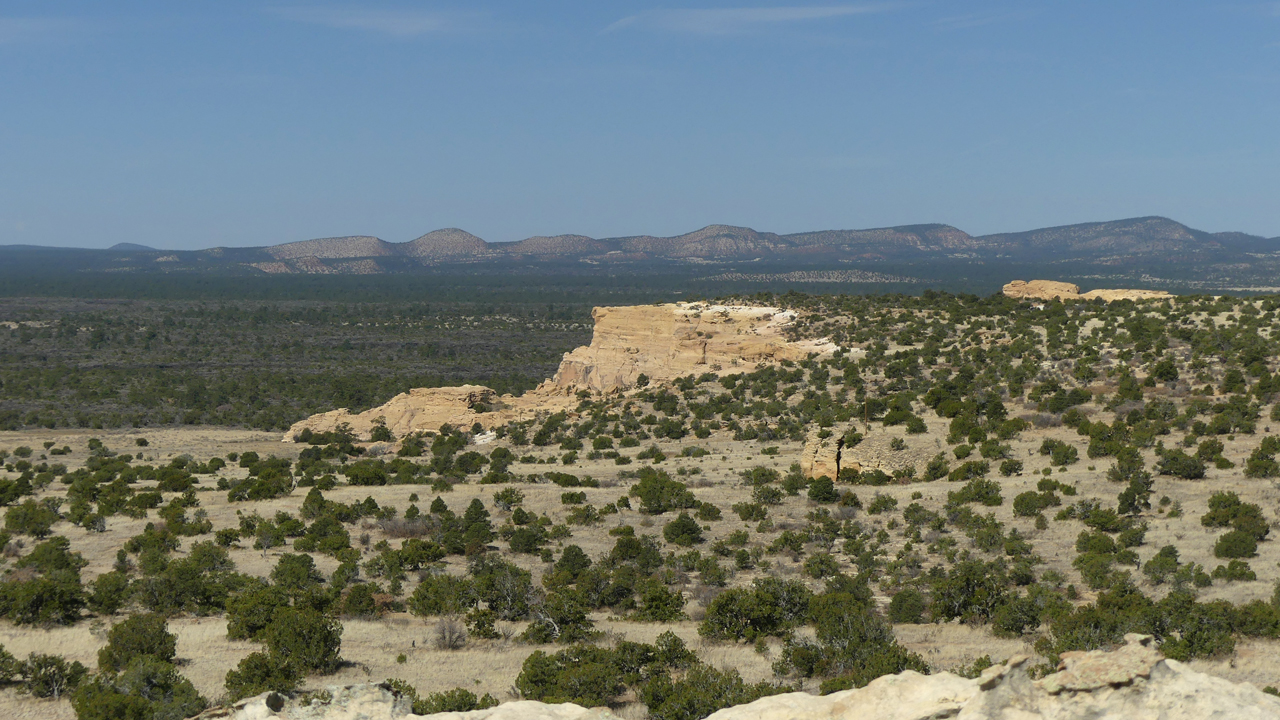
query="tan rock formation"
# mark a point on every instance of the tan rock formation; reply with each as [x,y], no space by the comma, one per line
[665,342]
[1133,682]
[1051,289]
[1112,295]
[418,409]
[662,342]
[827,456]
[1042,290]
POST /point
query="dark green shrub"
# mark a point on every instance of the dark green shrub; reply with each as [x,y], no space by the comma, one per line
[979,490]
[305,639]
[145,635]
[1031,503]
[1234,571]
[707,512]
[250,612]
[882,503]
[359,601]
[110,593]
[31,518]
[1180,465]
[937,468]
[823,490]
[907,606]
[295,573]
[658,603]
[146,688]
[1162,567]
[971,592]
[683,531]
[821,565]
[658,493]
[260,672]
[769,607]
[50,676]
[1236,544]
[969,471]
[1010,467]
[457,700]
[700,692]
[583,674]
[854,644]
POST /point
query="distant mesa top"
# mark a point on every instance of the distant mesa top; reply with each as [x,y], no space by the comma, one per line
[1151,245]
[1052,290]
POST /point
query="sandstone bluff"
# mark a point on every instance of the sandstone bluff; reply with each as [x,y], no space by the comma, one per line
[1051,290]
[1133,682]
[658,342]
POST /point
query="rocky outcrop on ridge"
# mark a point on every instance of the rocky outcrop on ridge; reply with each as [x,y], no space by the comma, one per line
[828,456]
[1133,682]
[664,342]
[659,342]
[1050,290]
[418,409]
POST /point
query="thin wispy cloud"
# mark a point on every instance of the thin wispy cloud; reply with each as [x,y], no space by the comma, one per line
[727,21]
[397,23]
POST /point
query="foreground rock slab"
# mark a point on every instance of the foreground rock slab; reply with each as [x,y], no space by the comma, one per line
[1133,682]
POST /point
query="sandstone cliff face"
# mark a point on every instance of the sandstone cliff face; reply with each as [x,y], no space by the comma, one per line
[1050,289]
[826,456]
[1131,683]
[662,342]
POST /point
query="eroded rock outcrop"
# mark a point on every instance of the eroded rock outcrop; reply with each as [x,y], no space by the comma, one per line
[1133,682]
[660,342]
[418,409]
[828,456]
[664,342]
[1051,289]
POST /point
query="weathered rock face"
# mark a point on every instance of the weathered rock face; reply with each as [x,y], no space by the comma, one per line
[418,409]
[1050,289]
[664,342]
[1133,682]
[827,456]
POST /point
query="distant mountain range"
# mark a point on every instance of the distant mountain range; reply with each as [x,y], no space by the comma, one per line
[1123,245]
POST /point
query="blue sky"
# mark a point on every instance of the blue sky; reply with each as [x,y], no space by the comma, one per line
[196,124]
